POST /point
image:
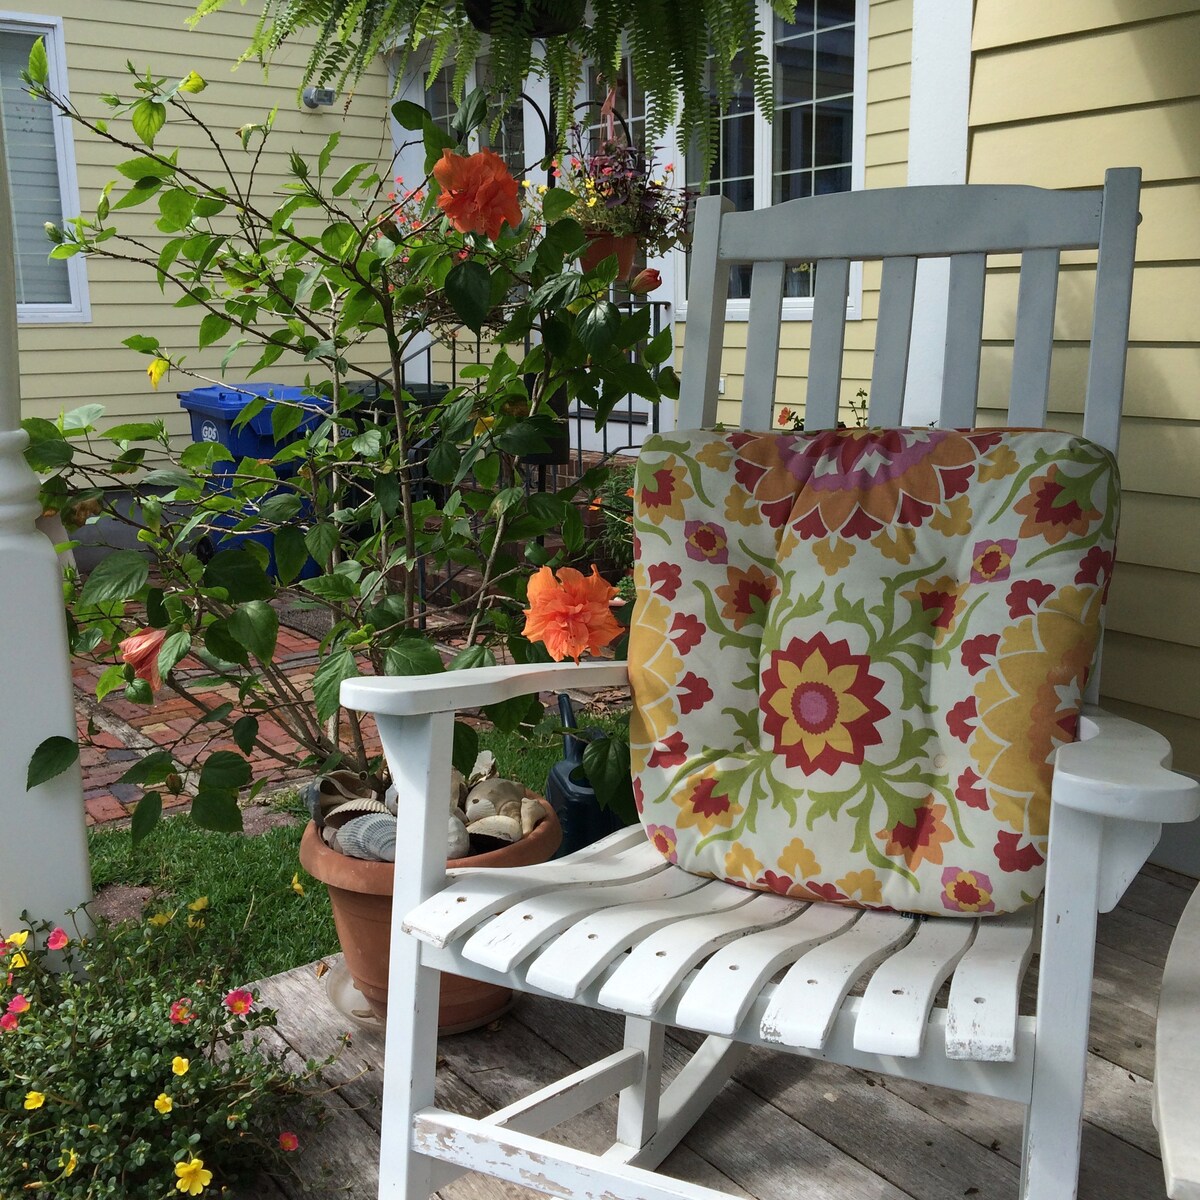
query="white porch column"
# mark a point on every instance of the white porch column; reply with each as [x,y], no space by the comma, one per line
[43,847]
[937,153]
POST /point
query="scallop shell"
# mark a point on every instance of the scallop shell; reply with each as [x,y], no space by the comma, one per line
[478,807]
[532,813]
[504,829]
[458,841]
[371,837]
[391,800]
[349,809]
[511,808]
[484,768]
[498,791]
[328,791]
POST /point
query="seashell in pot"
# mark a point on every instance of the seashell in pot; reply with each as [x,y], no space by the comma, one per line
[458,840]
[371,837]
[490,833]
[532,812]
[478,807]
[498,791]
[484,768]
[458,788]
[340,814]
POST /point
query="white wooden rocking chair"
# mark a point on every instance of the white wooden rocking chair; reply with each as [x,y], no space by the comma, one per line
[617,927]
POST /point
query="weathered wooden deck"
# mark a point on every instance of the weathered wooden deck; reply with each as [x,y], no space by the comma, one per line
[786,1128]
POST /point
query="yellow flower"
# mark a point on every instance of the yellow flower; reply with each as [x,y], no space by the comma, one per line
[195,922]
[69,1161]
[19,960]
[34,1100]
[160,919]
[297,886]
[741,863]
[18,939]
[798,859]
[542,189]
[865,883]
[199,904]
[157,369]
[163,1103]
[192,1177]
[179,1065]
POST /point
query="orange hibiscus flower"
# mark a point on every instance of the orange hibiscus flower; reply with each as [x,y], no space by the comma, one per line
[478,193]
[141,652]
[570,614]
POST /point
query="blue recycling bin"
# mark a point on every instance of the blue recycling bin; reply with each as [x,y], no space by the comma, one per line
[213,411]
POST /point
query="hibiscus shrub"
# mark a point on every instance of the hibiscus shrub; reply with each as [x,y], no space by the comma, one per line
[125,1077]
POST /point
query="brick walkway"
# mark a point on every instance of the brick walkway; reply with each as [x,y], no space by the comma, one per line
[122,732]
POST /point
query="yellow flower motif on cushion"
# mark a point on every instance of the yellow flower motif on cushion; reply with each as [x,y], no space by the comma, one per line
[739,507]
[715,454]
[896,543]
[833,553]
[702,804]
[997,463]
[798,859]
[955,518]
[862,885]
[1027,704]
[654,666]
[660,491]
[740,863]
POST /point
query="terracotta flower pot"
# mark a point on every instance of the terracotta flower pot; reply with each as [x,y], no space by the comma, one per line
[601,245]
[361,895]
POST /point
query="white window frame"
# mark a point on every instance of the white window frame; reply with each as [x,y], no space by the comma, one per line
[78,310]
[799,308]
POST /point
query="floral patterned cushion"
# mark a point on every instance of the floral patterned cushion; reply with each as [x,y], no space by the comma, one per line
[854,653]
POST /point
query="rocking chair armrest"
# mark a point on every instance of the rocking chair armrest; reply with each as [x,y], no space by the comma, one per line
[1120,769]
[414,695]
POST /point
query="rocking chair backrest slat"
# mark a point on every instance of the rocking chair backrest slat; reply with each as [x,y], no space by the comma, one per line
[828,340]
[964,333]
[762,344]
[892,340]
[1034,338]
[900,226]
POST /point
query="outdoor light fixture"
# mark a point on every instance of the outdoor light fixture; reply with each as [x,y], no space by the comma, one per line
[318,97]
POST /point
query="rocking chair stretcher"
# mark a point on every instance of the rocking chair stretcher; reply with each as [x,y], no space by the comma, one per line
[617,927]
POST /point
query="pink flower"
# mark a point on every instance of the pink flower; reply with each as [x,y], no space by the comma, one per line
[645,281]
[8,1022]
[141,652]
[18,1004]
[57,939]
[288,1141]
[181,1011]
[239,1002]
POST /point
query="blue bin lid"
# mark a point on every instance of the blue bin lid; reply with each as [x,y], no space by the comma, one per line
[227,402]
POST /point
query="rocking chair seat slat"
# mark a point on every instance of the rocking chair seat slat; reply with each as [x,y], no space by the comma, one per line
[896,1004]
[574,959]
[654,968]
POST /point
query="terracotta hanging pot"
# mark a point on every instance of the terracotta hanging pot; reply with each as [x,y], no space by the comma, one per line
[546,18]
[360,892]
[601,245]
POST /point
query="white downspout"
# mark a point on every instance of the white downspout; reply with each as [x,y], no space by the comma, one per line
[43,845]
[937,153]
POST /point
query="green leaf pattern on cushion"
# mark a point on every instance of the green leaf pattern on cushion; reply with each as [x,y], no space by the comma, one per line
[854,653]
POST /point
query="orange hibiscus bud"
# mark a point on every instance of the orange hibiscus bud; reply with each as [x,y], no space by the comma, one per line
[645,281]
[572,613]
[478,193]
[141,652]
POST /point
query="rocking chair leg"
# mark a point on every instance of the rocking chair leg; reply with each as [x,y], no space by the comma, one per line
[637,1111]
[1054,1120]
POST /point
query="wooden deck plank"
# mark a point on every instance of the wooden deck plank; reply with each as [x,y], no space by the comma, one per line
[785,1126]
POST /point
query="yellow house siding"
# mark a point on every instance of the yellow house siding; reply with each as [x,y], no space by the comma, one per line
[1061,92]
[66,365]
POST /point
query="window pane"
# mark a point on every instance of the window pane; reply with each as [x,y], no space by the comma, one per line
[833,12]
[835,63]
[794,66]
[32,158]
[831,137]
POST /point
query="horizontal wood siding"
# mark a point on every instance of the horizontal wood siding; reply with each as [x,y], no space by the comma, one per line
[64,366]
[888,78]
[1061,92]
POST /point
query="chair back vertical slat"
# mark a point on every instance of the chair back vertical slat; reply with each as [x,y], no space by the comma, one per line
[892,339]
[1034,338]
[1110,320]
[964,334]
[762,345]
[707,290]
[828,340]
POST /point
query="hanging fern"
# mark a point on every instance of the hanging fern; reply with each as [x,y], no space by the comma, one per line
[683,54]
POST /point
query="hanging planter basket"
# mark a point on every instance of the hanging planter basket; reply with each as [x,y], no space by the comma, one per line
[540,18]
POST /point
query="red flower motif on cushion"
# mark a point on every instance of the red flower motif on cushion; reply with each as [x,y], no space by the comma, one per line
[670,752]
[694,693]
[969,792]
[703,805]
[992,561]
[665,579]
[1012,856]
[960,720]
[979,651]
[966,891]
[923,839]
[1048,512]
[665,492]
[686,631]
[662,838]
[821,891]
[1027,594]
[819,704]
[940,600]
[639,795]
[706,541]
[1096,564]
[746,595]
